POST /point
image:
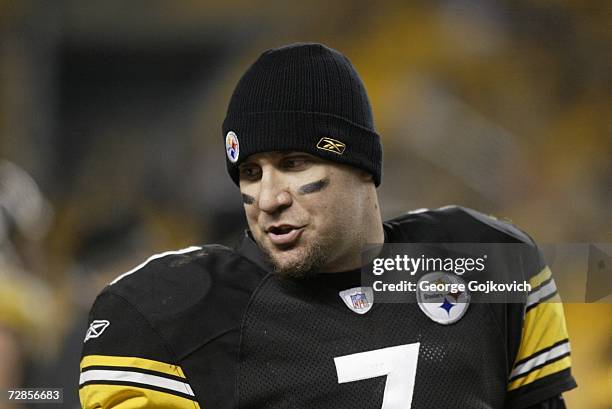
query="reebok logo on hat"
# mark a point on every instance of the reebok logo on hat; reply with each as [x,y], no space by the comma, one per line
[332,145]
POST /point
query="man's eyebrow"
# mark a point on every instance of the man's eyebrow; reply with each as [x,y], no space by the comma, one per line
[247,199]
[314,186]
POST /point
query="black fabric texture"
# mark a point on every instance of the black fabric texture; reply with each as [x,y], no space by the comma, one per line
[249,339]
[182,309]
[553,403]
[293,96]
[126,333]
[456,224]
[294,330]
[541,390]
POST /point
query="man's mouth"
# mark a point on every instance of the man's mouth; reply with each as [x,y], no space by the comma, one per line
[284,234]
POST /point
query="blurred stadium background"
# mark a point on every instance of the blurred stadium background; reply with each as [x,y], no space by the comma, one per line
[111,148]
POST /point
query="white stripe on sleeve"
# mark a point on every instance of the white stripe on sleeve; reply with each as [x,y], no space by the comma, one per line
[549,355]
[135,377]
[541,293]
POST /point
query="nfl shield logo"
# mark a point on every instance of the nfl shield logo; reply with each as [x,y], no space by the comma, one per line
[360,301]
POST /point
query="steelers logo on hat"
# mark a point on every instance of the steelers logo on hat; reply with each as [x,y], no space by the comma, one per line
[232,147]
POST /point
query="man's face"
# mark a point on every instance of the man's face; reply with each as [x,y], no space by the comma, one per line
[302,210]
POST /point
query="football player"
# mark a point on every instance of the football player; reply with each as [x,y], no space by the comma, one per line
[269,324]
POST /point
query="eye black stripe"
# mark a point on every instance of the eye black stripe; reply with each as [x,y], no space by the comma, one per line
[314,186]
[247,199]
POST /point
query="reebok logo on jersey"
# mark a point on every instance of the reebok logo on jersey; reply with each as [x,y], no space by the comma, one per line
[96,328]
[331,145]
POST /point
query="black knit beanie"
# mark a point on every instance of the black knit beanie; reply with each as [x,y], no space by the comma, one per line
[302,97]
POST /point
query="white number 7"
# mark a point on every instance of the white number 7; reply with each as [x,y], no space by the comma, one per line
[399,363]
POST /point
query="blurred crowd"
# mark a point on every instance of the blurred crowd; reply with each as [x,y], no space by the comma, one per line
[110,117]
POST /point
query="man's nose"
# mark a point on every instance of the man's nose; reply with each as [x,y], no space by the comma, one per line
[274,195]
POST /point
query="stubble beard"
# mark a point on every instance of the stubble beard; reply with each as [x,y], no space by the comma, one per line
[302,262]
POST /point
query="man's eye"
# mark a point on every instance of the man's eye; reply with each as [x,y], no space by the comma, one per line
[296,163]
[249,172]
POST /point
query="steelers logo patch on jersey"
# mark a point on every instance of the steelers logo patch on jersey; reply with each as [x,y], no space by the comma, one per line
[358,299]
[232,147]
[439,301]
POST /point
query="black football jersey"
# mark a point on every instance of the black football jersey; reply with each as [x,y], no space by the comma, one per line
[211,327]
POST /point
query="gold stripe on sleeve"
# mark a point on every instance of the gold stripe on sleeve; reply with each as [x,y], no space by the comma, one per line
[133,362]
[544,326]
[130,397]
[539,278]
[543,372]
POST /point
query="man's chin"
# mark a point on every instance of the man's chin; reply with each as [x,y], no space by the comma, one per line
[295,261]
